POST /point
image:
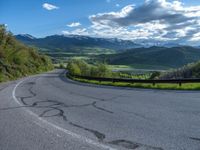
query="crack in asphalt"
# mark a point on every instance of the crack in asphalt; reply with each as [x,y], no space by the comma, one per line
[125,143]
[195,139]
[133,145]
[100,136]
[100,108]
[52,106]
[138,115]
[59,114]
[89,96]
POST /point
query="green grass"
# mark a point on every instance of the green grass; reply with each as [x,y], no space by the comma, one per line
[186,86]
[80,57]
[120,67]
[149,66]
[133,70]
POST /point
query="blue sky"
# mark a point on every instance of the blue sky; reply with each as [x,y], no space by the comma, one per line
[28,16]
[92,17]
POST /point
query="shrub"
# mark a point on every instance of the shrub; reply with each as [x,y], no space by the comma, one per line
[80,67]
[155,75]
[17,60]
[188,71]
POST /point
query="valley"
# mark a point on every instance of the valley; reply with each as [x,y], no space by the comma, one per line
[99,74]
[134,57]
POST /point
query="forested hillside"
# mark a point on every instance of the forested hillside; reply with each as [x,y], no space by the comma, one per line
[154,57]
[188,71]
[17,60]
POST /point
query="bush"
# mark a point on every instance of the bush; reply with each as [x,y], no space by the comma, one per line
[17,60]
[74,69]
[80,67]
[155,75]
[61,66]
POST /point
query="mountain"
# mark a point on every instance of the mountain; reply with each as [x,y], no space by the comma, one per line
[115,51]
[76,43]
[25,37]
[154,57]
[17,60]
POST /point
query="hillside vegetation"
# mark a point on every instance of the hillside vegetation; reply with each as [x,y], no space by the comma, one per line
[80,67]
[154,57]
[188,71]
[17,60]
[102,70]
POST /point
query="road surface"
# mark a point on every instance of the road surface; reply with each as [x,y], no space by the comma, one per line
[51,112]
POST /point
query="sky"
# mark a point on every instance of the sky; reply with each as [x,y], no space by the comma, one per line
[139,20]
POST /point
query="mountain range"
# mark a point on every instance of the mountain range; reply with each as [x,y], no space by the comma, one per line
[76,43]
[115,51]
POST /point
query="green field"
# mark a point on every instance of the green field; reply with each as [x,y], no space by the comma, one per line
[133,70]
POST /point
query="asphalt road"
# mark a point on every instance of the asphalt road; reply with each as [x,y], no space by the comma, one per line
[51,112]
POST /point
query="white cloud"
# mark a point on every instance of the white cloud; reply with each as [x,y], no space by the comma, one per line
[74,24]
[49,6]
[196,37]
[81,31]
[157,20]
[151,10]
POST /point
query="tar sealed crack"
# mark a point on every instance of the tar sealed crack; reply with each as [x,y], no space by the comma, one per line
[133,145]
[100,108]
[196,139]
[99,135]
[54,108]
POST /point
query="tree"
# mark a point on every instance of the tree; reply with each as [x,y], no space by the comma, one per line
[73,68]
[103,70]
[80,67]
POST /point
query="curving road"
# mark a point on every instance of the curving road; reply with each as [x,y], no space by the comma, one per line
[51,112]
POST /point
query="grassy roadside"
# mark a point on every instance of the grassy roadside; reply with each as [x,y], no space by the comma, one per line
[187,86]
